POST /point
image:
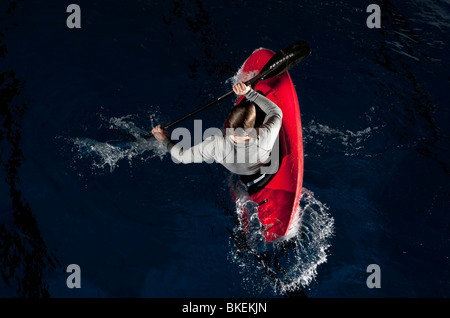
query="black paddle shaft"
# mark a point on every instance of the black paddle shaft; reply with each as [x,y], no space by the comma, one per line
[279,63]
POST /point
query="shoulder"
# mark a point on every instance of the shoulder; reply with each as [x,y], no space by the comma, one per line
[215,139]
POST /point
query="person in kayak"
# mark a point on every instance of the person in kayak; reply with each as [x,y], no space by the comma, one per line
[244,150]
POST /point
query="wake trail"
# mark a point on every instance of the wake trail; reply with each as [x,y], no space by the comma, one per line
[290,264]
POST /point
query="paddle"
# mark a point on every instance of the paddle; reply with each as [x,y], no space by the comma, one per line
[279,63]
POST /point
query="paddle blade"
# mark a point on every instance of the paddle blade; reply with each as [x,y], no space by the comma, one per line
[283,61]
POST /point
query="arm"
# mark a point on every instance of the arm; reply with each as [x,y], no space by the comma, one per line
[274,115]
[203,151]
[269,130]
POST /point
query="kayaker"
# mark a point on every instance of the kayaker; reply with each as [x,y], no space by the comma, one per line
[241,138]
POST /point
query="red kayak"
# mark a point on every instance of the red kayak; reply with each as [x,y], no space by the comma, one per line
[282,193]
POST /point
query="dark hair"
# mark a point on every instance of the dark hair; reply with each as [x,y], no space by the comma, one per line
[242,116]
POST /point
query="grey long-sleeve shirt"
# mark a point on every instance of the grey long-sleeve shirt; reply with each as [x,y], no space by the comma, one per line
[239,158]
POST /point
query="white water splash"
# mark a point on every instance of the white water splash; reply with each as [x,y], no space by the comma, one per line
[346,141]
[242,76]
[108,154]
[254,236]
[315,228]
[291,263]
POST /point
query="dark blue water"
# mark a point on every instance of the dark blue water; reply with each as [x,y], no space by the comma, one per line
[76,187]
